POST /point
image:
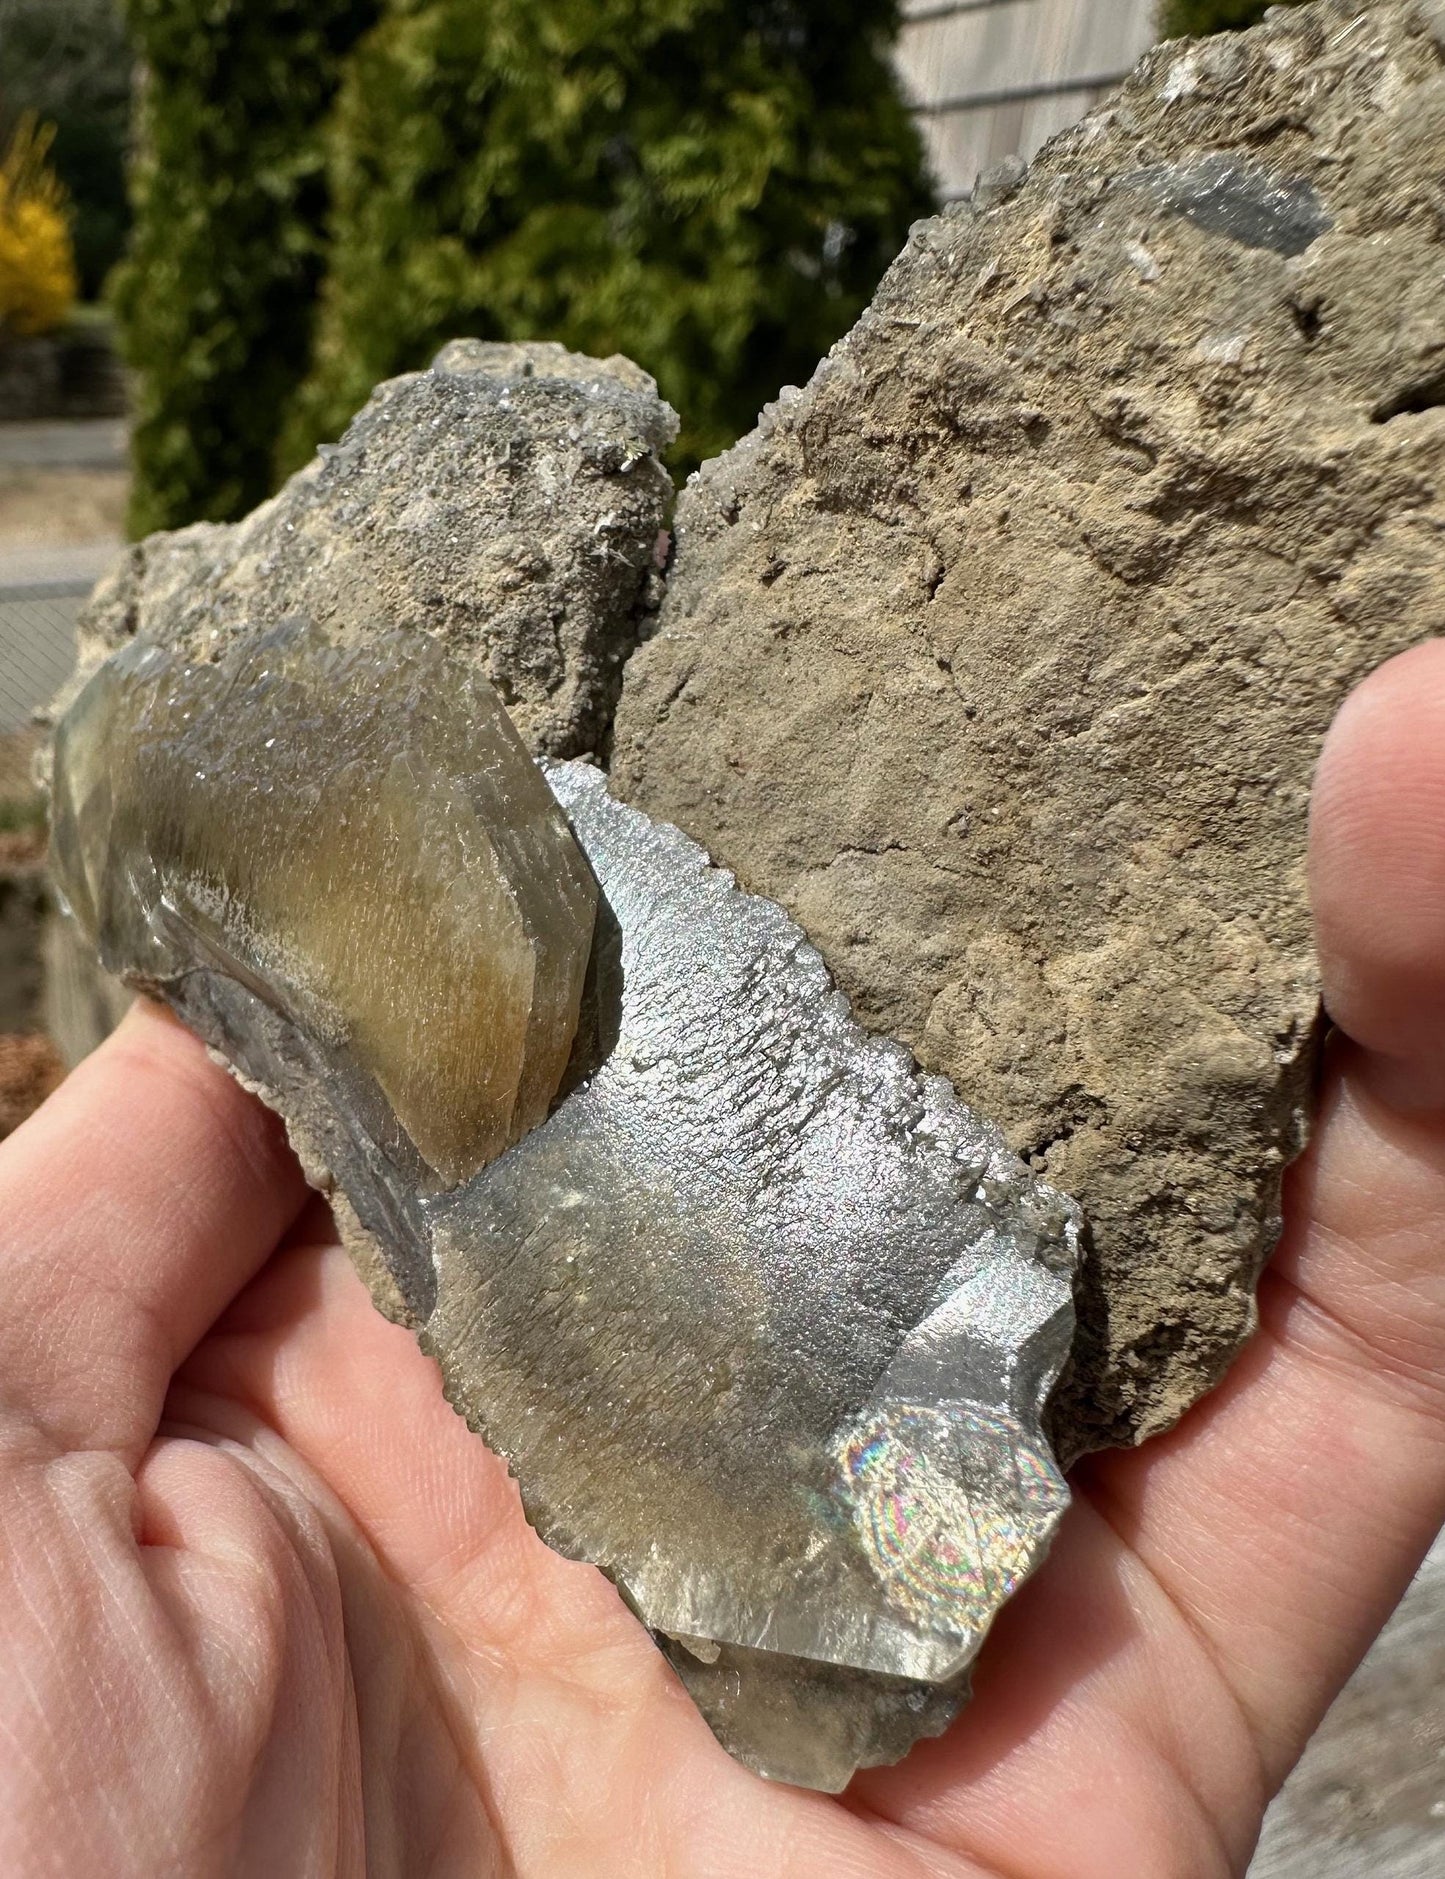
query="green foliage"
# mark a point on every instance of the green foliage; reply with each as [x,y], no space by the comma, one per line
[37,258]
[1194,19]
[67,61]
[712,186]
[217,293]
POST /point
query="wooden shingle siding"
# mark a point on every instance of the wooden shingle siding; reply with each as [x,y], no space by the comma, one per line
[997,78]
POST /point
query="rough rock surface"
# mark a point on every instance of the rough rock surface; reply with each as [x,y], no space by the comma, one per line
[1002,655]
[510,501]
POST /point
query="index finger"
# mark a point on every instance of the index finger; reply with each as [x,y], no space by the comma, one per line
[133,1207]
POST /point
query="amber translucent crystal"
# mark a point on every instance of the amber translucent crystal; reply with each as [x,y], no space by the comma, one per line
[359,833]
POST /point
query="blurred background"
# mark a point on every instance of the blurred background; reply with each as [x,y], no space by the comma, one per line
[222,221]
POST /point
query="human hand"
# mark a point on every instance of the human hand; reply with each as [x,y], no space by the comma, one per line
[269,1608]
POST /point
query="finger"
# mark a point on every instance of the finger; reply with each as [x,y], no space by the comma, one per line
[1378,871]
[1335,1456]
[1278,1526]
[133,1207]
[305,1351]
[580,1730]
[171,1706]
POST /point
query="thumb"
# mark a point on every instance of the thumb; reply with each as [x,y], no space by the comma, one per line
[1377,858]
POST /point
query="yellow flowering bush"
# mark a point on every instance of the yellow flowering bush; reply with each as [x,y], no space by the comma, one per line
[38,281]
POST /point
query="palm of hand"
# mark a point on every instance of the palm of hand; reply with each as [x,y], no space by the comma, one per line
[276,1611]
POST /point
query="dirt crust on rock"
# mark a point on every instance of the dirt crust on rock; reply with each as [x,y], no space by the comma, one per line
[1002,655]
[510,501]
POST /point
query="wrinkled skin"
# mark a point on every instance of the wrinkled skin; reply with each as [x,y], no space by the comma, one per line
[266,1606]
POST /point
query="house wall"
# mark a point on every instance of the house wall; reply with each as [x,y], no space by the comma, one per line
[997,78]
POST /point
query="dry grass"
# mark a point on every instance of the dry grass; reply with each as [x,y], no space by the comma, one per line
[30,1068]
[17,758]
[21,848]
[22,811]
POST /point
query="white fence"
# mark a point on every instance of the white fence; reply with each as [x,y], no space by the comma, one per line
[997,78]
[37,646]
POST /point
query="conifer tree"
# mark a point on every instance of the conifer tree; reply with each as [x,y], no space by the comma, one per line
[217,294]
[713,187]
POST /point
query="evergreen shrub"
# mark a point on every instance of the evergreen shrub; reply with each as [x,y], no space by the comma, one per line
[216,296]
[713,187]
[1195,19]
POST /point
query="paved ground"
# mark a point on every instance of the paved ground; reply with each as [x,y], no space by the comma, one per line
[1368,1800]
[77,565]
[41,594]
[45,508]
[37,648]
[91,444]
[59,483]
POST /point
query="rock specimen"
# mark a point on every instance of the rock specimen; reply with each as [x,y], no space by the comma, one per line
[1002,655]
[763,1320]
[510,501]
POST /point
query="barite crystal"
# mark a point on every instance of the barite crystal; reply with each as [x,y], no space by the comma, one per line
[762,1319]
[361,833]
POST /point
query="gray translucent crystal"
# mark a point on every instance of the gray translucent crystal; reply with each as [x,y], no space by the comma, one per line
[762,1319]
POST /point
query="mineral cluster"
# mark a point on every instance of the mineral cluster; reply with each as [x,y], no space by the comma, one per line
[1000,657]
[763,1321]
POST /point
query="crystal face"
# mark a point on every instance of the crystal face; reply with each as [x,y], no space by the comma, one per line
[361,831]
[762,1319]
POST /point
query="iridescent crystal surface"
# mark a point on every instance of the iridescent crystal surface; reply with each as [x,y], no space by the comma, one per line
[762,1319]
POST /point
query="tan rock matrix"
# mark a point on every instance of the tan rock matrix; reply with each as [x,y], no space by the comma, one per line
[509,502]
[1002,655]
